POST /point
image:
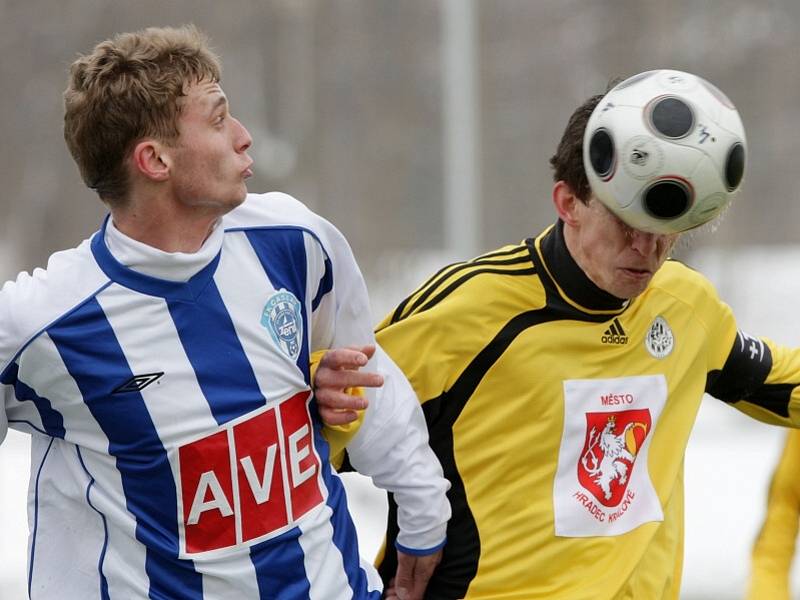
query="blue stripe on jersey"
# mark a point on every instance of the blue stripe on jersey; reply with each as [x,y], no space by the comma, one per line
[325,286]
[94,359]
[52,420]
[344,530]
[282,253]
[101,560]
[280,570]
[32,557]
[223,371]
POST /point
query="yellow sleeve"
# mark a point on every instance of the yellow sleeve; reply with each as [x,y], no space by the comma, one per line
[415,344]
[786,369]
[774,547]
[338,436]
[752,374]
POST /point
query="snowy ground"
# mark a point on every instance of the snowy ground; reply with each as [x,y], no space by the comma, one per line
[728,462]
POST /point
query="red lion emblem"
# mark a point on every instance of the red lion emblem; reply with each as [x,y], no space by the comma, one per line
[613,440]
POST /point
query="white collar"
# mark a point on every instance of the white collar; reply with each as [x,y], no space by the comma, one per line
[172,266]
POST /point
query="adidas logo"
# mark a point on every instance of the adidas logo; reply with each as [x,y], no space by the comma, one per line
[615,334]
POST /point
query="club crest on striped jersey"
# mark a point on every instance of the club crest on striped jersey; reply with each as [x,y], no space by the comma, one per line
[282,317]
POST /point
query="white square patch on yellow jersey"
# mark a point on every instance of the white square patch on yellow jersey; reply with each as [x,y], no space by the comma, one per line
[602,485]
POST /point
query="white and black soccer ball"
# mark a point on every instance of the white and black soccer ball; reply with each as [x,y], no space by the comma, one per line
[665,151]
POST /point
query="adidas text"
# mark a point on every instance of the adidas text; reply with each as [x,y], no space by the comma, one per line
[615,334]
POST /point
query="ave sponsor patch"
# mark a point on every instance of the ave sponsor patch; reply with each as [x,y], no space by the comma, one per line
[250,480]
[602,485]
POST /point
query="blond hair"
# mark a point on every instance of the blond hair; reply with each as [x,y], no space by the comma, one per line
[128,89]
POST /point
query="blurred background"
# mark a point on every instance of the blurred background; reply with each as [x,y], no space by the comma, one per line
[422,129]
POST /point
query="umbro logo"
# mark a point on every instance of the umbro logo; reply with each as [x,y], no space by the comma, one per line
[615,334]
[138,382]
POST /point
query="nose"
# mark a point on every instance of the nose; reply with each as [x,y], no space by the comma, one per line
[243,140]
[644,243]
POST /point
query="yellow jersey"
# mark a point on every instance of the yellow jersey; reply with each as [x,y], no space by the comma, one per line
[774,548]
[561,416]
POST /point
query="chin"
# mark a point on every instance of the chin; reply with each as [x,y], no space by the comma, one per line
[629,293]
[238,198]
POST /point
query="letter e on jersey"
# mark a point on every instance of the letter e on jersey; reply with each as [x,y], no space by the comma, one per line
[249,481]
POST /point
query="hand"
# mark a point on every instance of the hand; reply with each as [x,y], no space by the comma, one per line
[413,574]
[339,369]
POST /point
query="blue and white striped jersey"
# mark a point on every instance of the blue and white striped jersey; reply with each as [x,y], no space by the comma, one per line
[176,449]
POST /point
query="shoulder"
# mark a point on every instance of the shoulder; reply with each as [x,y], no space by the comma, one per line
[677,277]
[495,285]
[32,301]
[279,211]
[677,283]
[272,208]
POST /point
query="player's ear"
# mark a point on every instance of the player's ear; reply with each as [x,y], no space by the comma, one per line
[566,202]
[150,159]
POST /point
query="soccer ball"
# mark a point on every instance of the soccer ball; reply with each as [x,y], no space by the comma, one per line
[665,151]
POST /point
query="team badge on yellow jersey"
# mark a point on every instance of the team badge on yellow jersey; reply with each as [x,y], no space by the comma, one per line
[608,457]
[659,340]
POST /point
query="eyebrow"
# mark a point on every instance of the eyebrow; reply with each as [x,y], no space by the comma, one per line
[220,101]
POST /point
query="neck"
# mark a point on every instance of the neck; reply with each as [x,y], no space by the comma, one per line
[574,275]
[573,247]
[169,227]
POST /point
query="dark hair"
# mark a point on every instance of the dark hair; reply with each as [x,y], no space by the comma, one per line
[567,162]
[126,89]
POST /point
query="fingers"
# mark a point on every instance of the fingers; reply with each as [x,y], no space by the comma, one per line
[337,399]
[404,578]
[347,358]
[368,350]
[413,574]
[338,371]
[327,377]
[332,416]
[340,368]
[389,593]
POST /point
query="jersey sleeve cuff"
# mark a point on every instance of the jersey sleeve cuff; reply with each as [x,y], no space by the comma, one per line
[420,551]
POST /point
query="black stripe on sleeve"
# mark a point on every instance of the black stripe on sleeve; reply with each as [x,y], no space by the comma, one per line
[743,375]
